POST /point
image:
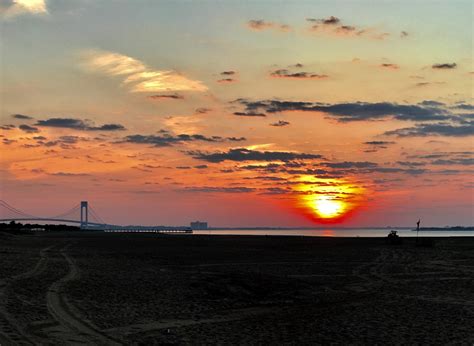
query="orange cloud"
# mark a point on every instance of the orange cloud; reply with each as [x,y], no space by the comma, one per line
[138,76]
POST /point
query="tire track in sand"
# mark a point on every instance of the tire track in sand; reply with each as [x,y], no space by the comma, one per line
[10,332]
[72,325]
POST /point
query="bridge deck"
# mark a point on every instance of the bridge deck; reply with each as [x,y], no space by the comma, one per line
[92,226]
[157,230]
[50,219]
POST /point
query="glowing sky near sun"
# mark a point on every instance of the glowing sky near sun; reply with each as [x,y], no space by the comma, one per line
[260,113]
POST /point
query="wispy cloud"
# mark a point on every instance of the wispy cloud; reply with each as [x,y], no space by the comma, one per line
[227,77]
[137,75]
[7,127]
[444,66]
[249,114]
[166,139]
[354,111]
[390,66]
[437,129]
[213,189]
[425,84]
[333,26]
[280,123]
[330,26]
[284,73]
[379,143]
[260,25]
[166,97]
[68,174]
[374,146]
[78,124]
[19,7]
[327,21]
[245,154]
[226,80]
[28,128]
[21,116]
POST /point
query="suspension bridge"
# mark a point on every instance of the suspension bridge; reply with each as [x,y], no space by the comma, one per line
[85,216]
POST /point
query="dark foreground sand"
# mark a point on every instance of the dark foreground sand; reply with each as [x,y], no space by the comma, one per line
[95,288]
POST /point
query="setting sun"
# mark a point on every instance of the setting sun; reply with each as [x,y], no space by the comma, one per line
[329,200]
[327,208]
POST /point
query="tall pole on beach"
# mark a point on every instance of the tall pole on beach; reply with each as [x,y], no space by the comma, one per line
[417,229]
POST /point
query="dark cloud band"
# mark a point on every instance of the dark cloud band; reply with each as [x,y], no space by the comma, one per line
[243,154]
[344,112]
[165,139]
[78,124]
[437,129]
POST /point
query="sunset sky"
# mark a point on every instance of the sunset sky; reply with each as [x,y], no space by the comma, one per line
[239,113]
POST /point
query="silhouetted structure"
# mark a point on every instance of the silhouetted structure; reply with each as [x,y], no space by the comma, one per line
[79,214]
[20,228]
[198,225]
[84,214]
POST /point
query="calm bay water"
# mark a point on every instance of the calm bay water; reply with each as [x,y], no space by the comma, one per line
[334,232]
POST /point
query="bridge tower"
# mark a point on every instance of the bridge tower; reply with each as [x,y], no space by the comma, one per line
[84,214]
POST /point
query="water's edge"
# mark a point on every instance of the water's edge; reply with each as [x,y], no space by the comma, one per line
[332,232]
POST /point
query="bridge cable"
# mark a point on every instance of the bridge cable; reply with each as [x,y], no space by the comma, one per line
[95,215]
[69,212]
[15,210]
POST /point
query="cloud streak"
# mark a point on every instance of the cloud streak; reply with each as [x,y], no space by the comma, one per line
[244,154]
[249,114]
[137,76]
[78,124]
[327,21]
[260,25]
[166,97]
[213,189]
[21,117]
[226,80]
[28,128]
[437,129]
[166,140]
[445,66]
[333,26]
[355,111]
[280,123]
[284,73]
[390,66]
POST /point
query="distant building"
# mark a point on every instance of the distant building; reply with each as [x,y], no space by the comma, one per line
[198,225]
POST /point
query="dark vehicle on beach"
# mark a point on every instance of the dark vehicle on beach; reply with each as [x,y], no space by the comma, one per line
[393,238]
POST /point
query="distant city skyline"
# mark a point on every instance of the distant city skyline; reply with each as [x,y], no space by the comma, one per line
[262,113]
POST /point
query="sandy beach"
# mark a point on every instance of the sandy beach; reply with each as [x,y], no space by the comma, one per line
[96,288]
